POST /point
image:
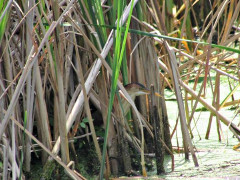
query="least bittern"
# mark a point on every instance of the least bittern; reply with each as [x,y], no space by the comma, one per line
[134,90]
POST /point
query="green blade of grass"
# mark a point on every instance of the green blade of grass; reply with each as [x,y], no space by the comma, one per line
[116,68]
[4,14]
[149,34]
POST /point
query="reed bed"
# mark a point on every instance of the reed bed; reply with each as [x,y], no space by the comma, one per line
[64,67]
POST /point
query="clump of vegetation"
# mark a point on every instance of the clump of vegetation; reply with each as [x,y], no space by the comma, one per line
[98,70]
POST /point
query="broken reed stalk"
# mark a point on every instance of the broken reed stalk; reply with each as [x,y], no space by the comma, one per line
[157,131]
[187,143]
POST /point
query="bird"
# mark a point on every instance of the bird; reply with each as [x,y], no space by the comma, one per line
[134,90]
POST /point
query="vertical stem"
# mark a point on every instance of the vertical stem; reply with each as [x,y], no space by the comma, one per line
[58,49]
[13,152]
[158,134]
[187,143]
[30,83]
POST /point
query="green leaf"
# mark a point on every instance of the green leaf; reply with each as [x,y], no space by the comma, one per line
[83,125]
[85,120]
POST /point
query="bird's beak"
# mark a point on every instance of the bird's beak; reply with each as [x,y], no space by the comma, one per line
[148,92]
[157,94]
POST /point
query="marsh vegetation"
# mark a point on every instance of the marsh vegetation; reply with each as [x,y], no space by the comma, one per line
[103,89]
